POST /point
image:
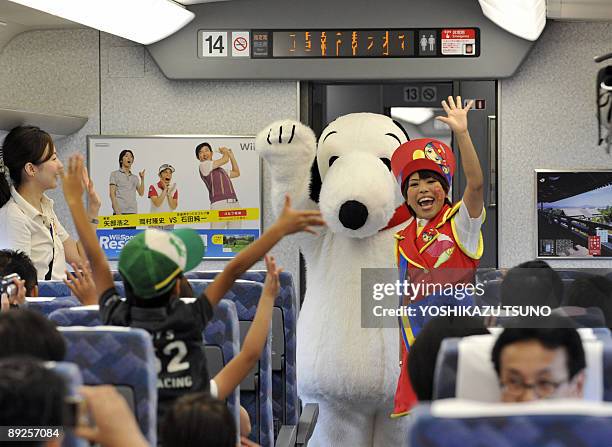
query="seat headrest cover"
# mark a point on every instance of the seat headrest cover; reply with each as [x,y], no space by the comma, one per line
[477,379]
[460,408]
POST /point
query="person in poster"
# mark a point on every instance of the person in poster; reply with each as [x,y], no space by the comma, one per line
[218,181]
[164,193]
[123,185]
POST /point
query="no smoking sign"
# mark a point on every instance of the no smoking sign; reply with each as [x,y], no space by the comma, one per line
[240,44]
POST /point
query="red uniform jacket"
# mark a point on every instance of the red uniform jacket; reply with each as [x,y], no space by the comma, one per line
[436,246]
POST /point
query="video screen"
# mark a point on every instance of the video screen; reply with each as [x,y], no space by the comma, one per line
[574,214]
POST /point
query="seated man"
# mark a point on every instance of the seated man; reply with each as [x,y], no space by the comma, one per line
[14,261]
[536,364]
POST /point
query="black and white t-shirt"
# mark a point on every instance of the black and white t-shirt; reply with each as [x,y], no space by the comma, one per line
[177,337]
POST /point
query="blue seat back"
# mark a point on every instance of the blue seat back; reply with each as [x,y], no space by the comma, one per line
[284,383]
[245,294]
[285,402]
[71,374]
[73,380]
[121,357]
[55,288]
[222,331]
[585,424]
[77,316]
[47,305]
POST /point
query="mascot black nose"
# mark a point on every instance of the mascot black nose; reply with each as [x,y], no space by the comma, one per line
[353,214]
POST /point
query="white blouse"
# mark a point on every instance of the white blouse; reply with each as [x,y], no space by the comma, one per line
[39,235]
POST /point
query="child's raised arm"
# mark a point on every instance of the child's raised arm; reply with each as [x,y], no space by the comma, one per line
[72,184]
[290,221]
[235,371]
[456,119]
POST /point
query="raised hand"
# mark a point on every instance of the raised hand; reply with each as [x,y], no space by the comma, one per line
[291,220]
[271,284]
[142,174]
[93,199]
[86,178]
[456,117]
[81,283]
[72,179]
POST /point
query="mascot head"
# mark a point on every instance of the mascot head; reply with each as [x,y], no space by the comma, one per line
[357,192]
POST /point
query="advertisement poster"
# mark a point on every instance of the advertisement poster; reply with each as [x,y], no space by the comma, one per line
[209,183]
[574,214]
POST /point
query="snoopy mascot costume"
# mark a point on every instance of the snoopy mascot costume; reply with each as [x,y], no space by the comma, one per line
[351,372]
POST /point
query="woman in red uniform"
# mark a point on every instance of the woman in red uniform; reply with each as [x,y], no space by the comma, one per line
[440,235]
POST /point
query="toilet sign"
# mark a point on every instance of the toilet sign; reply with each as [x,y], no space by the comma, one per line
[458,42]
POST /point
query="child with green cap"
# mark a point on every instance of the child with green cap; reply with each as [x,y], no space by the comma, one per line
[152,266]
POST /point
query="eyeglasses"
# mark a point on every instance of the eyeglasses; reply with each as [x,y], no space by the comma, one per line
[541,388]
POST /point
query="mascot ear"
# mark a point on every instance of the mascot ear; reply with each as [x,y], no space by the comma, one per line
[315,182]
[402,129]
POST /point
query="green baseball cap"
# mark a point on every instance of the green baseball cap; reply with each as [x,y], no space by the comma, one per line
[154,258]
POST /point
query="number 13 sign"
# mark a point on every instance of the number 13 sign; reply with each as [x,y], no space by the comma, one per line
[214,43]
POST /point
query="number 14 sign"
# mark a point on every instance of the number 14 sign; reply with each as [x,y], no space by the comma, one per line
[214,43]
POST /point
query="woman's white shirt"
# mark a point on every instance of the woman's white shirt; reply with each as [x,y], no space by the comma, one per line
[23,227]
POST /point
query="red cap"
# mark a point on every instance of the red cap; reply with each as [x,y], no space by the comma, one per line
[423,154]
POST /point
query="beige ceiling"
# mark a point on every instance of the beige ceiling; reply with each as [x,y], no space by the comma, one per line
[16,19]
[195,2]
[32,18]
